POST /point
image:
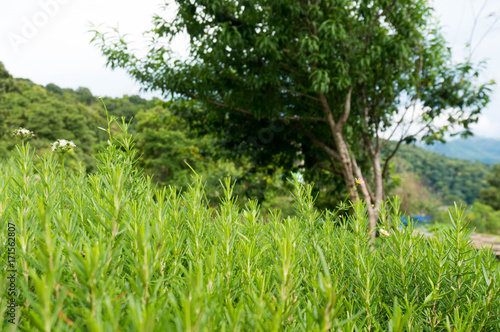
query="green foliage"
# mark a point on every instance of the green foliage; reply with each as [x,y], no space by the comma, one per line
[491,195]
[4,74]
[453,180]
[54,88]
[287,82]
[51,116]
[127,107]
[110,250]
[416,199]
[166,141]
[6,82]
[482,219]
[56,113]
[170,151]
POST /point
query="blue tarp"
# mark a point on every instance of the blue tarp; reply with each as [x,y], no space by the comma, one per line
[417,219]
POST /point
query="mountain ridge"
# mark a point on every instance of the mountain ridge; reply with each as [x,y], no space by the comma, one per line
[476,148]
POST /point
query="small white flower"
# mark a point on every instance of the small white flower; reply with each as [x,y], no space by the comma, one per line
[383,231]
[62,145]
[23,133]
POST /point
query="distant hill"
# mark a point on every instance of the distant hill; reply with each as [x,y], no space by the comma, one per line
[486,150]
[52,113]
[450,178]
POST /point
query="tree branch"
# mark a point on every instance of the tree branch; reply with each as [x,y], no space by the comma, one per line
[318,143]
[323,167]
[386,164]
[299,93]
[326,109]
[365,189]
[347,109]
[335,167]
[366,136]
[395,128]
[213,102]
[299,118]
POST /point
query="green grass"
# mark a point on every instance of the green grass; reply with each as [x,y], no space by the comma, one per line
[110,252]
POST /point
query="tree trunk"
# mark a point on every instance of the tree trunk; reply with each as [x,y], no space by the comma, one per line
[346,165]
[370,207]
[350,168]
[379,191]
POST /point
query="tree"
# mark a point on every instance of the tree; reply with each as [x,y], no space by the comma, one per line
[50,116]
[6,83]
[484,219]
[328,82]
[170,150]
[54,88]
[491,196]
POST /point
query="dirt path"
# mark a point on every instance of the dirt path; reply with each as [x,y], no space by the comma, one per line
[487,240]
[480,241]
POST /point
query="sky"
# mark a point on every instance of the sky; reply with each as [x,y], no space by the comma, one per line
[48,41]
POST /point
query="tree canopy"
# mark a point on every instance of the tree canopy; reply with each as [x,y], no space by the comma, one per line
[53,113]
[491,195]
[318,83]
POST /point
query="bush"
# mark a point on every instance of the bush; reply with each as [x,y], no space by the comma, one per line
[481,218]
[109,251]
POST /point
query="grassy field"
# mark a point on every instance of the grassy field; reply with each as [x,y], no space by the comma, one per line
[110,252]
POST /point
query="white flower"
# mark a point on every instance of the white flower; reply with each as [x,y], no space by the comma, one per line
[359,181]
[383,231]
[23,133]
[62,145]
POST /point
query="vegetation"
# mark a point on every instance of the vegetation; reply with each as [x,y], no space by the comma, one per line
[112,226]
[54,113]
[451,180]
[319,82]
[169,147]
[106,250]
[491,195]
[429,182]
[170,151]
[171,142]
[481,218]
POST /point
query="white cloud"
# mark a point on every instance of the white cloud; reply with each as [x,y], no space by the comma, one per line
[457,18]
[58,51]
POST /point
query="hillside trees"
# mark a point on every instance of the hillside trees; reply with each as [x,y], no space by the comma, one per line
[51,114]
[6,82]
[452,180]
[491,196]
[31,106]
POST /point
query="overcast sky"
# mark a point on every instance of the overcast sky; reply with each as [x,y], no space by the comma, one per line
[47,41]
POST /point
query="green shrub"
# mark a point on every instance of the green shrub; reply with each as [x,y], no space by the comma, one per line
[480,217]
[109,251]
